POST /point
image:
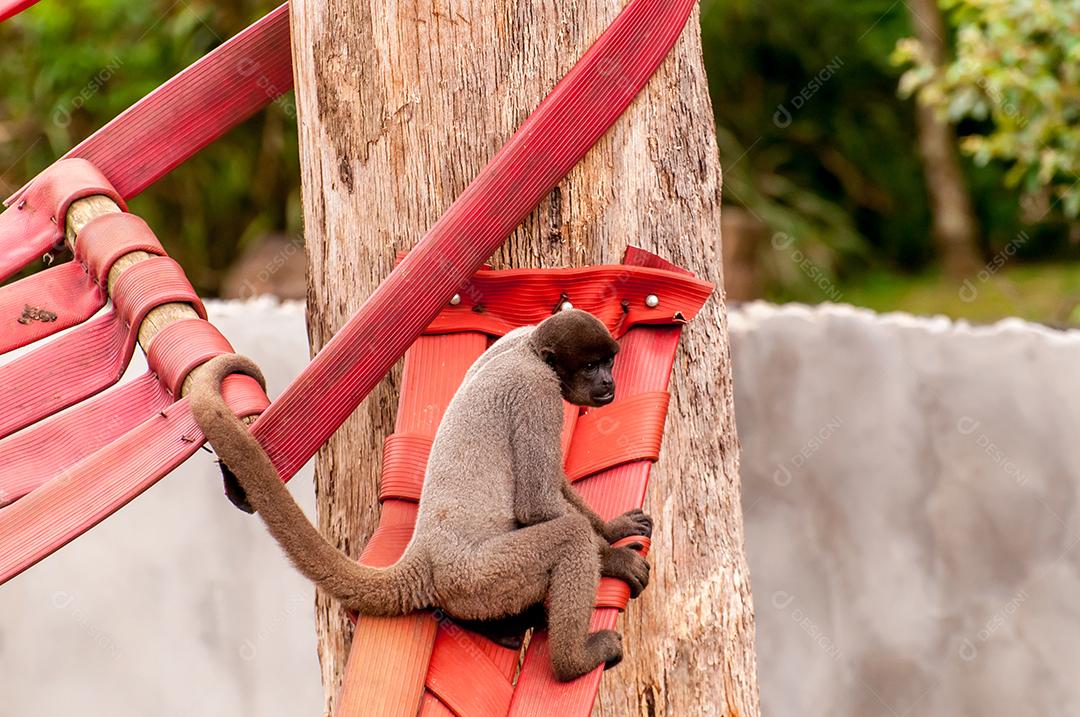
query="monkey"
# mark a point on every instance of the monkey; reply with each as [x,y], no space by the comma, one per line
[499,529]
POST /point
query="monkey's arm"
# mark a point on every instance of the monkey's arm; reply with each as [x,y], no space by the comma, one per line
[537,451]
[632,522]
[579,504]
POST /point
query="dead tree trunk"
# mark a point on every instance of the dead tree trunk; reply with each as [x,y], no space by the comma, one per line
[398,109]
[954,227]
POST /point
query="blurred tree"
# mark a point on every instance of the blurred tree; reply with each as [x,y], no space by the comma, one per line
[67,68]
[954,227]
[813,139]
[1017,74]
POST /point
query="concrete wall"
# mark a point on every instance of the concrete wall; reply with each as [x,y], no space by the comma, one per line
[910,489]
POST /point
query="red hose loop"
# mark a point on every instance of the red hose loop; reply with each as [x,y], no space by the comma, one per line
[108,237]
[149,284]
[630,429]
[181,346]
[33,223]
[405,458]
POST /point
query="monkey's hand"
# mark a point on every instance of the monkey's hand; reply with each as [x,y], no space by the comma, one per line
[632,522]
[626,564]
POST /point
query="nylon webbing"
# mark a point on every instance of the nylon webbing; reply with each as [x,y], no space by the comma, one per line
[9,8]
[46,303]
[94,355]
[33,224]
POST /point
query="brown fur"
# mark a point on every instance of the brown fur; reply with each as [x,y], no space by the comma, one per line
[499,529]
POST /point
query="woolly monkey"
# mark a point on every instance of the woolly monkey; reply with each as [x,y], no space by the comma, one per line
[499,529]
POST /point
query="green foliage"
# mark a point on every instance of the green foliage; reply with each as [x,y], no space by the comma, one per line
[67,68]
[1016,76]
[813,139]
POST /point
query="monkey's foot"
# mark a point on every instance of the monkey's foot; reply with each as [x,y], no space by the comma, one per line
[632,522]
[605,646]
[627,565]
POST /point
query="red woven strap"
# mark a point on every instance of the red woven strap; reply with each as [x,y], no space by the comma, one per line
[388,662]
[108,237]
[497,301]
[181,346]
[482,691]
[33,224]
[92,489]
[405,459]
[56,299]
[642,366]
[149,284]
[8,8]
[29,458]
[194,108]
[630,429]
[62,372]
[568,122]
[93,356]
[46,303]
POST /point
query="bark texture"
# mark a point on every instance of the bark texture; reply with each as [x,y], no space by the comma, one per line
[399,107]
[955,228]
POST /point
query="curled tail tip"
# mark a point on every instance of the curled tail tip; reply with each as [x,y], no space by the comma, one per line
[217,368]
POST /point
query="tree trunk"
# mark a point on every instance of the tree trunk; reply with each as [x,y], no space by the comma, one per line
[955,229]
[398,110]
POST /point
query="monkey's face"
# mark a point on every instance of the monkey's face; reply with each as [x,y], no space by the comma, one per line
[581,351]
[590,383]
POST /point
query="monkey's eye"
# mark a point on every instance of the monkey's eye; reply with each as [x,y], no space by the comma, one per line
[590,367]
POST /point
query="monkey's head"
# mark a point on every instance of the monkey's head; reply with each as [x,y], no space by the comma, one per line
[579,348]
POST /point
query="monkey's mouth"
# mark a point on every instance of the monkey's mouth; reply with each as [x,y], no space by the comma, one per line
[604,399]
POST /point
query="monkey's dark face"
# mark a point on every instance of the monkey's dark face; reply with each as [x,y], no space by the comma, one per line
[581,352]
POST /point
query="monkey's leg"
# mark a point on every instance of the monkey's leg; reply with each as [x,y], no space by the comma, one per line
[559,559]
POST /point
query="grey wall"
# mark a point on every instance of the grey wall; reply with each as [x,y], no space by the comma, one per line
[909,488]
[910,493]
[179,604]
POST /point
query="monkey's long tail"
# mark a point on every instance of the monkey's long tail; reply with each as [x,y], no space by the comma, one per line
[396,590]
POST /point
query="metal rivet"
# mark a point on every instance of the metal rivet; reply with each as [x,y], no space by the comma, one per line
[565,306]
[652,301]
[21,204]
[455,300]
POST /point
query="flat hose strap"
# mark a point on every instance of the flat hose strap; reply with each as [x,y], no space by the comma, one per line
[450,670]
[389,662]
[8,8]
[626,431]
[33,224]
[93,356]
[94,488]
[29,458]
[642,366]
[61,297]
